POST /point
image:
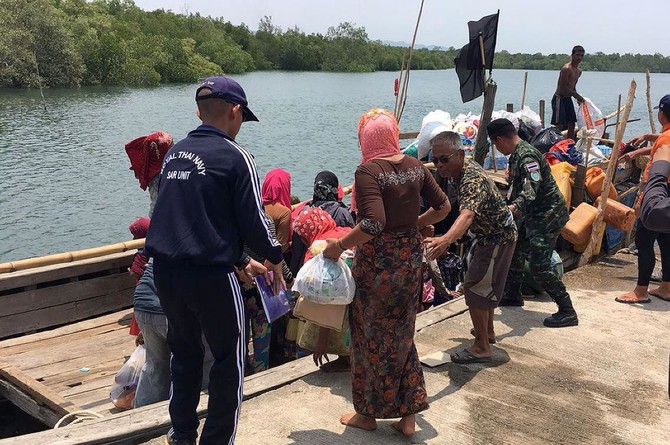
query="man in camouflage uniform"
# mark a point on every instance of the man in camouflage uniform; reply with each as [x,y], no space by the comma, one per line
[540,211]
[484,214]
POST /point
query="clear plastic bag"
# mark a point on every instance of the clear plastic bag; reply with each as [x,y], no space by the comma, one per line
[325,281]
[125,383]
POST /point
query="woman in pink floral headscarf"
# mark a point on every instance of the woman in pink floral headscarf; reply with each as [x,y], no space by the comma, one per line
[314,224]
[387,380]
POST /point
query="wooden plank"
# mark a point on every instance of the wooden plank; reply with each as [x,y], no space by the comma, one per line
[409,135]
[27,405]
[65,313]
[76,291]
[440,313]
[65,332]
[14,280]
[40,393]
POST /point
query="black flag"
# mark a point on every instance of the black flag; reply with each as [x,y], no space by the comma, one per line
[469,67]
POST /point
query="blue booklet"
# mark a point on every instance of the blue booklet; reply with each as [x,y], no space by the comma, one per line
[274,306]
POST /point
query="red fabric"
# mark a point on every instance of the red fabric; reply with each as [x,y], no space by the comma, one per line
[562,146]
[316,224]
[298,208]
[146,155]
[139,227]
[277,187]
[551,159]
[139,262]
[134,327]
[340,193]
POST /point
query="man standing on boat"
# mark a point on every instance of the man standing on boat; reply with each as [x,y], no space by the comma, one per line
[209,203]
[563,110]
[540,212]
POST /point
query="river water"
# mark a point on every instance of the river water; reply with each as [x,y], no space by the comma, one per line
[65,178]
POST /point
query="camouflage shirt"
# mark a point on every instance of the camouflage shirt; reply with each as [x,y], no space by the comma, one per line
[493,222]
[534,192]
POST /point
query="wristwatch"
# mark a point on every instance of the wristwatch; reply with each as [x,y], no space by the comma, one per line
[244,262]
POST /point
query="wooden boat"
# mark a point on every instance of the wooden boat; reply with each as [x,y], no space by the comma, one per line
[64,336]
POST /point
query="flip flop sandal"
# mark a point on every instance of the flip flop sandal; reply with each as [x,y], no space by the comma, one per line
[660,297]
[492,341]
[625,301]
[466,357]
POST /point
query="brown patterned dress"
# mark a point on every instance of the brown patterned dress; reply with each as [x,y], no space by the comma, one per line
[387,376]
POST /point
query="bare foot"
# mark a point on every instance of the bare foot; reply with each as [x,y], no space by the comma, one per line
[632,298]
[406,425]
[661,292]
[356,420]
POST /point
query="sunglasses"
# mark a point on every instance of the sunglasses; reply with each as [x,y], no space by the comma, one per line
[444,159]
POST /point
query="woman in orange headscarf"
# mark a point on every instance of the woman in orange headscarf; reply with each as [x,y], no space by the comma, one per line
[387,377]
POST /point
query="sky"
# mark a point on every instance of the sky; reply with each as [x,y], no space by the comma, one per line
[525,26]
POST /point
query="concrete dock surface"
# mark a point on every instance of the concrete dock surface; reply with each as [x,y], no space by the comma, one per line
[602,382]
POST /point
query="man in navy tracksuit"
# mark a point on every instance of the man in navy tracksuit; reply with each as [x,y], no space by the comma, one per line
[209,203]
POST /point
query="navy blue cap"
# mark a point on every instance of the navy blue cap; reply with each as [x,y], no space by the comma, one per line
[227,89]
[664,103]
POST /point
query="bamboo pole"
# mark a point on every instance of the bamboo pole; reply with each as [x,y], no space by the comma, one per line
[652,121]
[611,169]
[39,81]
[523,96]
[509,108]
[542,104]
[409,65]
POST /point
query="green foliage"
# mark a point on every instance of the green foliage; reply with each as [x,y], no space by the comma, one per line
[114,42]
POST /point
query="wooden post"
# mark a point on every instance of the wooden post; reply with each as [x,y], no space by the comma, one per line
[523,95]
[652,121]
[510,108]
[484,120]
[611,169]
[542,112]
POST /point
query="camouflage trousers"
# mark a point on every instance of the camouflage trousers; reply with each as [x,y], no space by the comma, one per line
[537,248]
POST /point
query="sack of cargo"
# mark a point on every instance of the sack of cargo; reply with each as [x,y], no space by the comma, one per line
[546,139]
[589,116]
[578,228]
[618,215]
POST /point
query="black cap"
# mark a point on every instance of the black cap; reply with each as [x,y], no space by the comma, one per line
[227,89]
[500,126]
[664,104]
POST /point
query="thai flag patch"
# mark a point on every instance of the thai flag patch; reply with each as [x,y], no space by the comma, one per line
[532,167]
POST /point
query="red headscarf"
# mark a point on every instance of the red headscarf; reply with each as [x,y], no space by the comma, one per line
[378,134]
[277,187]
[139,227]
[146,155]
[315,224]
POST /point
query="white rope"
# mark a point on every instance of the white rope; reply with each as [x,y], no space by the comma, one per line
[82,416]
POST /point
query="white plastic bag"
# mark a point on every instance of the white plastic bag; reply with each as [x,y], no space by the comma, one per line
[530,118]
[125,382]
[325,281]
[433,120]
[589,116]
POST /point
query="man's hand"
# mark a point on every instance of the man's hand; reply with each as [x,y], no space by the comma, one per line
[638,140]
[253,269]
[580,99]
[277,277]
[436,246]
[427,231]
[332,250]
[630,156]
[515,211]
[662,153]
[139,340]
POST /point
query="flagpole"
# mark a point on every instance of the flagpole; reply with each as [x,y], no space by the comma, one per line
[487,107]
